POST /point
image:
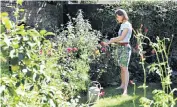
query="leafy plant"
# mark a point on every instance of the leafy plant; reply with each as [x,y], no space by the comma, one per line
[40,67]
[164,97]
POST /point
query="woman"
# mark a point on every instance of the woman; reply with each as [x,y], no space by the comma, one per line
[124,49]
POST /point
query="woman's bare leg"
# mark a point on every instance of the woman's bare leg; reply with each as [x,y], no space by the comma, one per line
[122,74]
[126,79]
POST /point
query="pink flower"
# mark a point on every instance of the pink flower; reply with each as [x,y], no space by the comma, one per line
[146,30]
[74,49]
[40,52]
[103,49]
[131,82]
[69,50]
[101,93]
[153,51]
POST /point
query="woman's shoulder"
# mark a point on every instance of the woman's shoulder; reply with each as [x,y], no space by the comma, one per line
[126,24]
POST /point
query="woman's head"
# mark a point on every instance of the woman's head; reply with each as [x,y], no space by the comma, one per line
[121,15]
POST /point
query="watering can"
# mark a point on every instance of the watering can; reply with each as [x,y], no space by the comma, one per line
[93,91]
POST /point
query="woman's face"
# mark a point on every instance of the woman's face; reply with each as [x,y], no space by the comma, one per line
[119,18]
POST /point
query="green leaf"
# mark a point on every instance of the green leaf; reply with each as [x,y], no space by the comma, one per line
[21,27]
[7,40]
[2,88]
[25,38]
[19,2]
[27,61]
[12,91]
[33,32]
[4,14]
[143,86]
[15,68]
[49,33]
[12,53]
[15,45]
[7,23]
[42,32]
[2,28]
[31,44]
[34,77]
[52,104]
[14,61]
[22,32]
[22,10]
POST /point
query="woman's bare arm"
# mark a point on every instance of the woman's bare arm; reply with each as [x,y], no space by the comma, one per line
[120,38]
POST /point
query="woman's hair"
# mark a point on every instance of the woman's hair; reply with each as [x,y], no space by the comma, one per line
[121,12]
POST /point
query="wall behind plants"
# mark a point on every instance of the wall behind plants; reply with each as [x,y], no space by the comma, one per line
[39,14]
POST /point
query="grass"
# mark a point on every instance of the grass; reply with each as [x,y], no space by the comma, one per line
[114,98]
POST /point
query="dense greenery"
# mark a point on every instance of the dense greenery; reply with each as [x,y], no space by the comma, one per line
[155,18]
[45,72]
[36,71]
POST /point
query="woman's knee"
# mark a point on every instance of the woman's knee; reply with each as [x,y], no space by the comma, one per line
[123,68]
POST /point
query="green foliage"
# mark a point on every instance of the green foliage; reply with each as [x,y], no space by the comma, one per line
[158,17]
[30,83]
[44,72]
[105,66]
[79,41]
[164,97]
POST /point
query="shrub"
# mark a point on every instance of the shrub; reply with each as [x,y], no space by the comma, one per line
[44,72]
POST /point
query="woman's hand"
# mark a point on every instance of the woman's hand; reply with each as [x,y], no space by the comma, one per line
[104,44]
[112,40]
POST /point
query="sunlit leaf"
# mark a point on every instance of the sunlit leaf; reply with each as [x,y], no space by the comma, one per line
[7,23]
[42,32]
[52,104]
[19,2]
[4,14]
[2,88]
[34,77]
[15,68]
[15,44]
[22,10]
[7,41]
[12,53]
[31,44]
[22,32]
[2,28]
[49,33]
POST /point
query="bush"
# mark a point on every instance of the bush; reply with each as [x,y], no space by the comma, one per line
[154,18]
[45,72]
[80,36]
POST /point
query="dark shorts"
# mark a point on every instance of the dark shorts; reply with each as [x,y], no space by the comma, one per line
[123,53]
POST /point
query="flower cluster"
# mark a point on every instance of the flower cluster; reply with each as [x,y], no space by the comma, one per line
[101,93]
[49,52]
[69,50]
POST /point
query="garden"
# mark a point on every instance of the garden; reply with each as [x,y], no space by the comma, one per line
[68,65]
